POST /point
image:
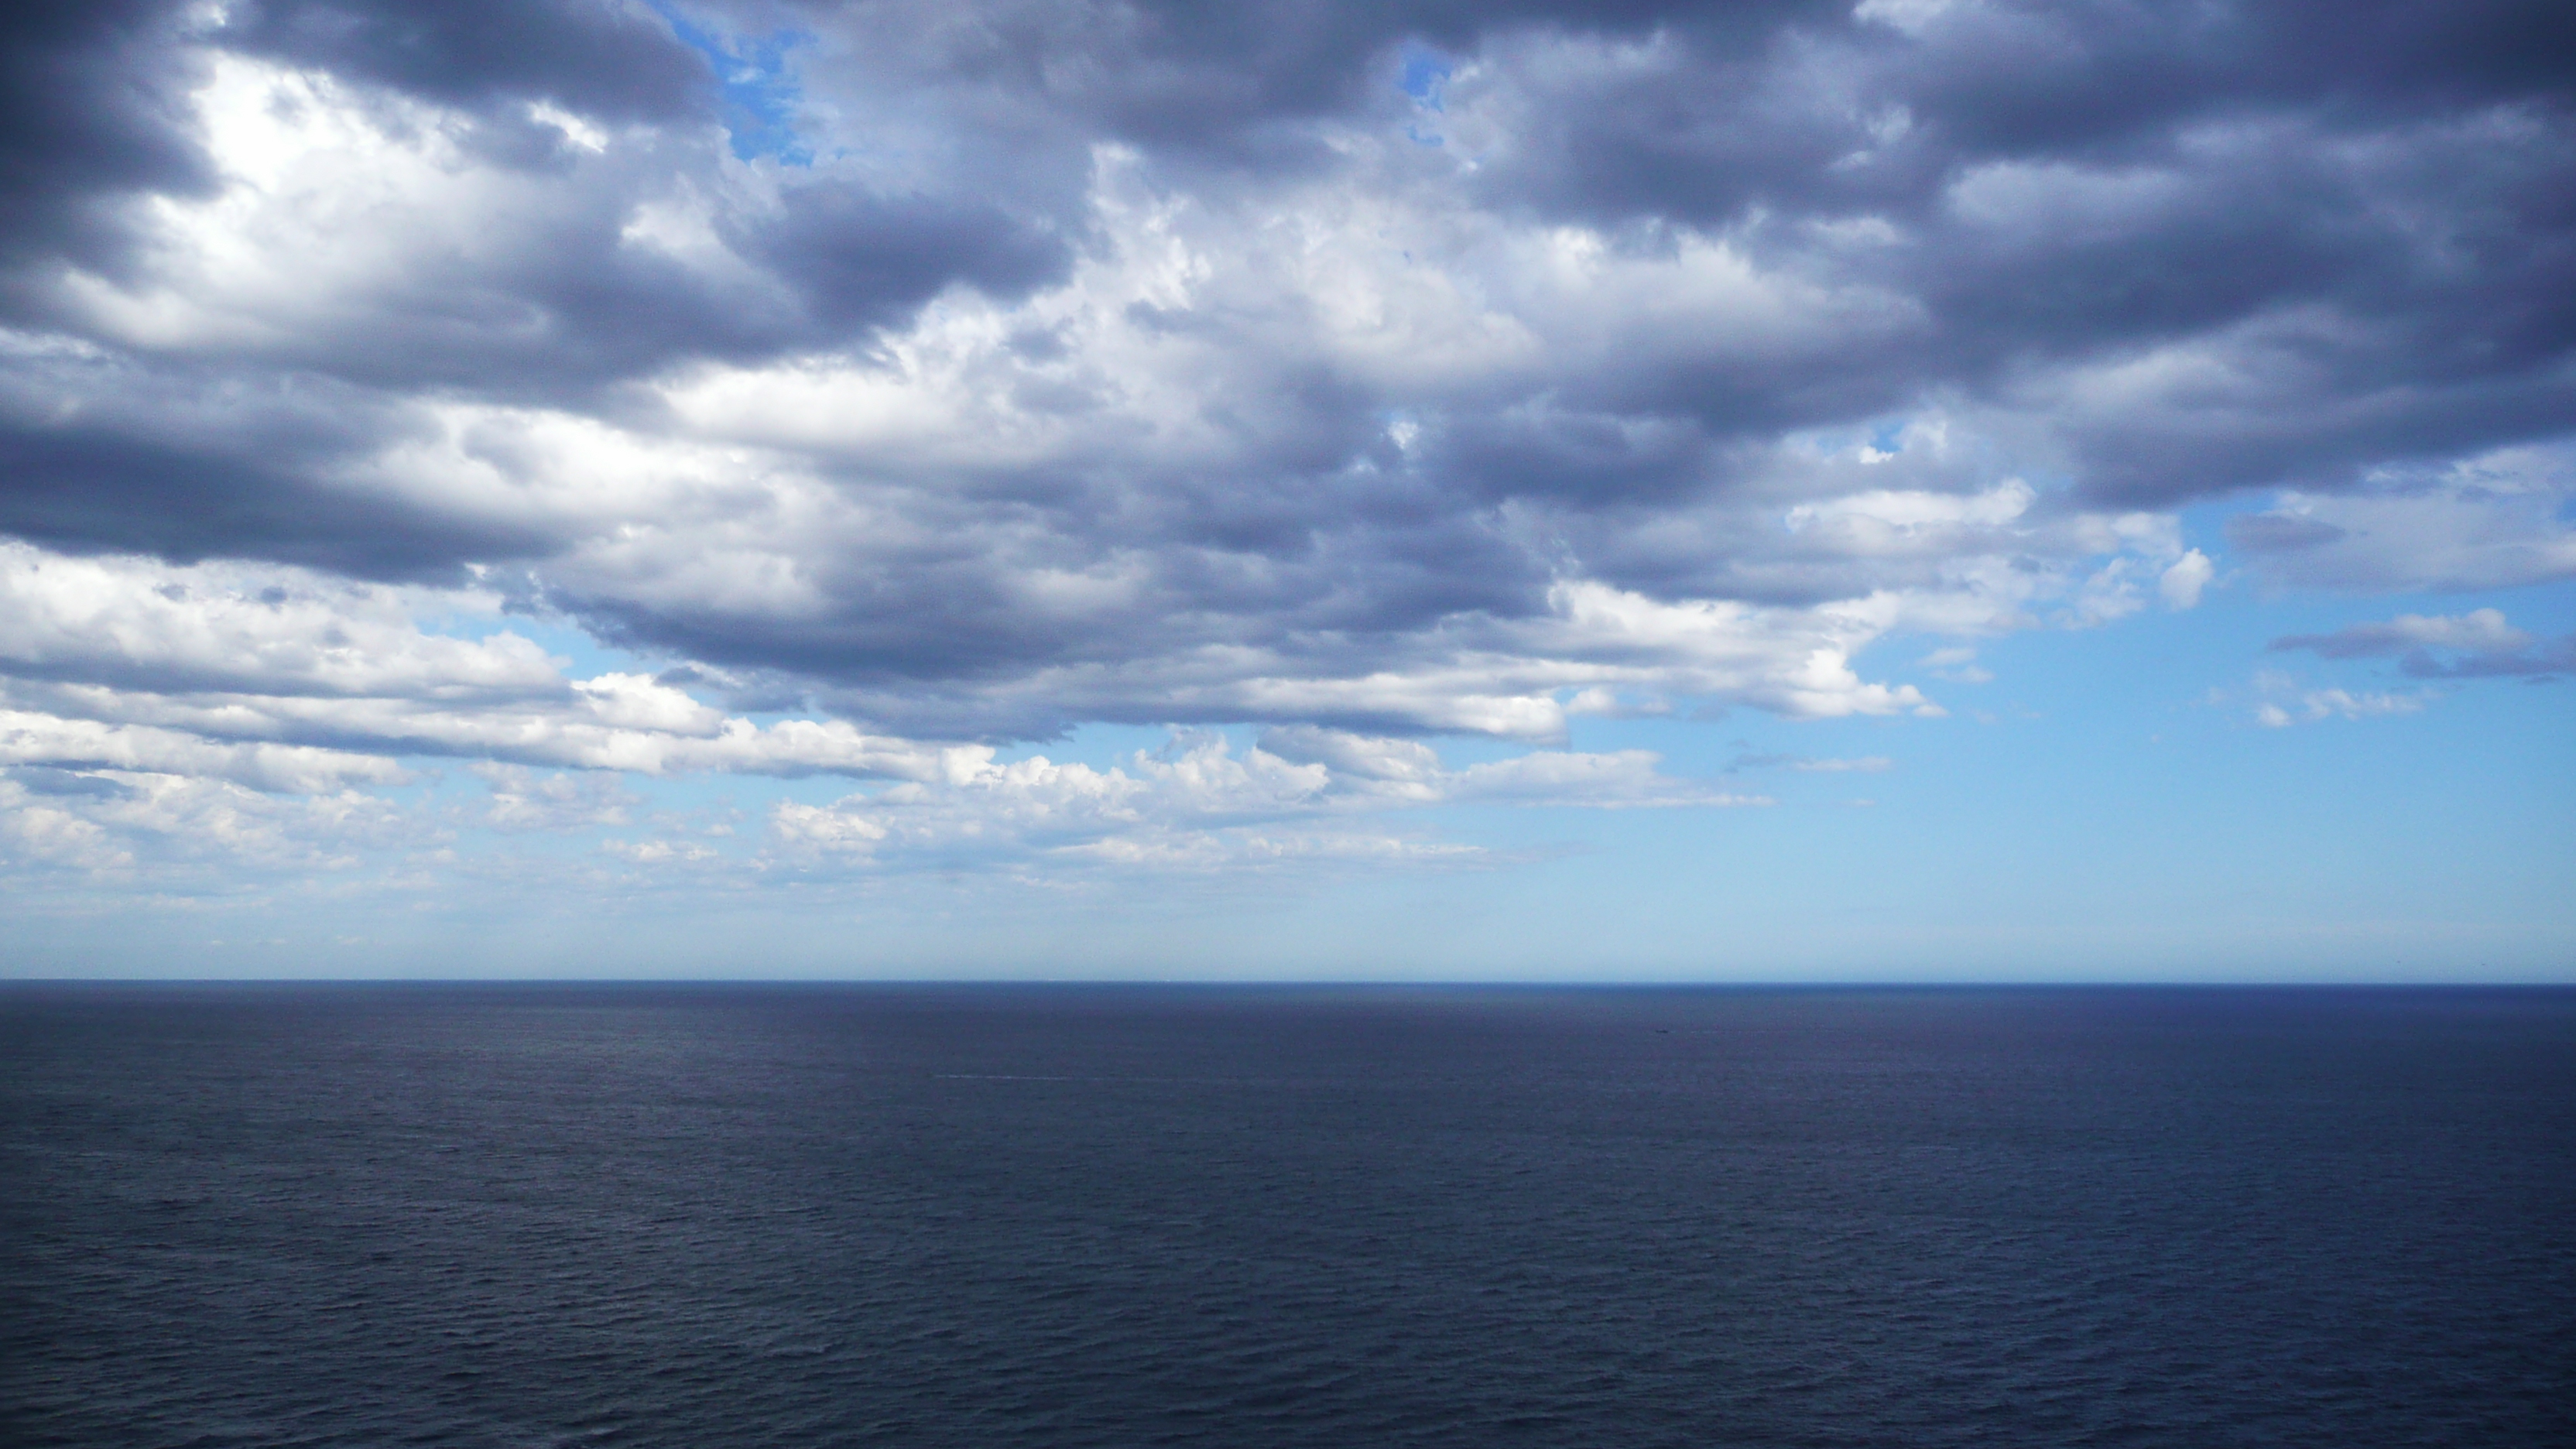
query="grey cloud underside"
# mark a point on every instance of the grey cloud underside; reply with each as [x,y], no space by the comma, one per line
[1997,82]
[2161,252]
[91,108]
[2480,645]
[189,466]
[2393,273]
[614,61]
[2552,660]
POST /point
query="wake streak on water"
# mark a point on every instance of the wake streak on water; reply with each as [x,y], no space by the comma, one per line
[756,1215]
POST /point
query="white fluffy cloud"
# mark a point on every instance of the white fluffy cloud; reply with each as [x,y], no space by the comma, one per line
[2182,582]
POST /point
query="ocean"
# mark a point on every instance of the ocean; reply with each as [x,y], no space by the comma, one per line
[715,1216]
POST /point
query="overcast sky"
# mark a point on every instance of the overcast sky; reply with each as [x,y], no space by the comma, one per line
[1932,488]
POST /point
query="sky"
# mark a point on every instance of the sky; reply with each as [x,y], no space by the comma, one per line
[1922,490]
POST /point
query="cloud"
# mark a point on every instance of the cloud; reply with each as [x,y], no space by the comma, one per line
[600,60]
[899,382]
[130,676]
[212,628]
[2283,700]
[523,800]
[2182,583]
[1812,765]
[1198,803]
[2439,646]
[124,674]
[92,112]
[2481,630]
[2026,176]
[2488,522]
[29,738]
[2319,704]
[1396,762]
[1622,780]
[1958,663]
[1866,763]
[267,676]
[190,834]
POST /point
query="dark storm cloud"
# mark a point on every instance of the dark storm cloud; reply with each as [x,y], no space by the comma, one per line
[2404,169]
[1199,74]
[1551,453]
[1815,108]
[92,94]
[857,259]
[82,490]
[101,458]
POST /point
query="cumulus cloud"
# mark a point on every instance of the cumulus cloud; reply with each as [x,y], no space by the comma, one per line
[2181,583]
[904,381]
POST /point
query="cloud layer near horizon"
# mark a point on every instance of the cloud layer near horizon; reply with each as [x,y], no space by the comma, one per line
[910,381]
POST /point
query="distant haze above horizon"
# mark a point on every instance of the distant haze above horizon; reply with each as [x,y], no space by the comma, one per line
[1916,490]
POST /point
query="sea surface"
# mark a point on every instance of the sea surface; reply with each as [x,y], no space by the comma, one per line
[1066,1216]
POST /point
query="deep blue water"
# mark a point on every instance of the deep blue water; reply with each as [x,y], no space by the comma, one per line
[720,1216]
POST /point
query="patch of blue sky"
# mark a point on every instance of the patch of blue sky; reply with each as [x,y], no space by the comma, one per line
[2204,524]
[583,655]
[2102,800]
[1423,73]
[755,85]
[1891,434]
